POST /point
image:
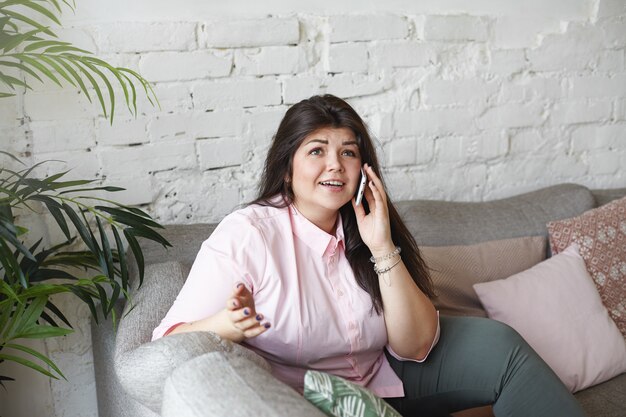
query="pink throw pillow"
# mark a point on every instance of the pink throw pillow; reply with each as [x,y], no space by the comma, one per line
[557,310]
[601,236]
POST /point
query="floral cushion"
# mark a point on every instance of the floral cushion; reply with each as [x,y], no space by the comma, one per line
[601,236]
[337,397]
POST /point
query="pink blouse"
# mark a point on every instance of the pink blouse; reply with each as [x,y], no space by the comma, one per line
[304,286]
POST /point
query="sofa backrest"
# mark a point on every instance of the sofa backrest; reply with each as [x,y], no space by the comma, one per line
[441,223]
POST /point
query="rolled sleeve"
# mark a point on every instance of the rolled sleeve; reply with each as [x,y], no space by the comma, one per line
[435,340]
[235,252]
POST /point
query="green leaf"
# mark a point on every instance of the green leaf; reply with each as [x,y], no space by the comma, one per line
[50,60]
[28,364]
[136,249]
[82,230]
[122,258]
[36,354]
[42,68]
[107,83]
[74,74]
[21,67]
[94,84]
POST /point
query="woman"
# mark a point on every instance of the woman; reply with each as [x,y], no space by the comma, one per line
[290,277]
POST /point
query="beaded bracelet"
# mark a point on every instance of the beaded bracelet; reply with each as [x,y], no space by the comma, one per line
[382,273]
[387,256]
[386,269]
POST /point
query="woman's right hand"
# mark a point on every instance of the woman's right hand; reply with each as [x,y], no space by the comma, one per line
[237,322]
[244,321]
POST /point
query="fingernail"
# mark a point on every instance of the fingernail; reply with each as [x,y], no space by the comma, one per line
[234,303]
[239,285]
[259,317]
[267,325]
[246,312]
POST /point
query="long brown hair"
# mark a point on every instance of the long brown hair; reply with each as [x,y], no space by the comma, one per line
[301,120]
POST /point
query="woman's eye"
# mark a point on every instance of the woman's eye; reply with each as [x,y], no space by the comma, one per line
[349,153]
[316,151]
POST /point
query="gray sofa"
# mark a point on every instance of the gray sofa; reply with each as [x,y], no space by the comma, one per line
[197,374]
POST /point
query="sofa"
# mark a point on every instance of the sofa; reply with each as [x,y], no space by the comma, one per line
[198,374]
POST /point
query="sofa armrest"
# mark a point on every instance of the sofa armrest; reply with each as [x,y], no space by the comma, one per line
[224,384]
[142,371]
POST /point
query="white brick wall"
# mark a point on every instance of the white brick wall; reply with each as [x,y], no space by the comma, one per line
[475,102]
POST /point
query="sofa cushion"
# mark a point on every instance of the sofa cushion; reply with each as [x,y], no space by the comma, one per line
[455,269]
[239,388]
[441,223]
[601,235]
[556,308]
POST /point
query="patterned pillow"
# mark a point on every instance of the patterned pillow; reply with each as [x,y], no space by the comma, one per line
[601,236]
[337,397]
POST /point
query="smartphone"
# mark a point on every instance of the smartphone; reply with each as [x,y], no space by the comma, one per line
[361,191]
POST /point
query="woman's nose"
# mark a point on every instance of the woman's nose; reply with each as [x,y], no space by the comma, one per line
[333,163]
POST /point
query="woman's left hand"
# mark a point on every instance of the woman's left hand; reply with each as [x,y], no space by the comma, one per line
[374,227]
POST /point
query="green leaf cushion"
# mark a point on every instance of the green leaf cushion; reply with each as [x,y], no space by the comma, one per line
[337,397]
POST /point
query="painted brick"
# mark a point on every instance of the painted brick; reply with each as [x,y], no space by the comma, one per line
[487,146]
[188,65]
[80,37]
[409,151]
[138,189]
[196,125]
[403,54]
[605,137]
[572,112]
[605,163]
[59,106]
[402,152]
[597,86]
[614,32]
[611,61]
[456,28]
[347,86]
[301,87]
[610,8]
[250,32]
[15,141]
[10,113]
[83,165]
[218,153]
[463,91]
[344,28]
[270,60]
[620,109]
[262,126]
[528,141]
[173,97]
[236,93]
[512,32]
[144,37]
[573,50]
[507,62]
[447,121]
[511,115]
[347,57]
[148,158]
[62,135]
[124,131]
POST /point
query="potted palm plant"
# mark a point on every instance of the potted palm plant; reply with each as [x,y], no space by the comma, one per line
[90,262]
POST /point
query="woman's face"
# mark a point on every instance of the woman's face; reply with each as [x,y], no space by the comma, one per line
[326,171]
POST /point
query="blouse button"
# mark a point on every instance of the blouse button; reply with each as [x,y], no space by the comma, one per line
[340,293]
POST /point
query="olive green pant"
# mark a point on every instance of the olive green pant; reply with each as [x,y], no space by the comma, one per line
[479,362]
